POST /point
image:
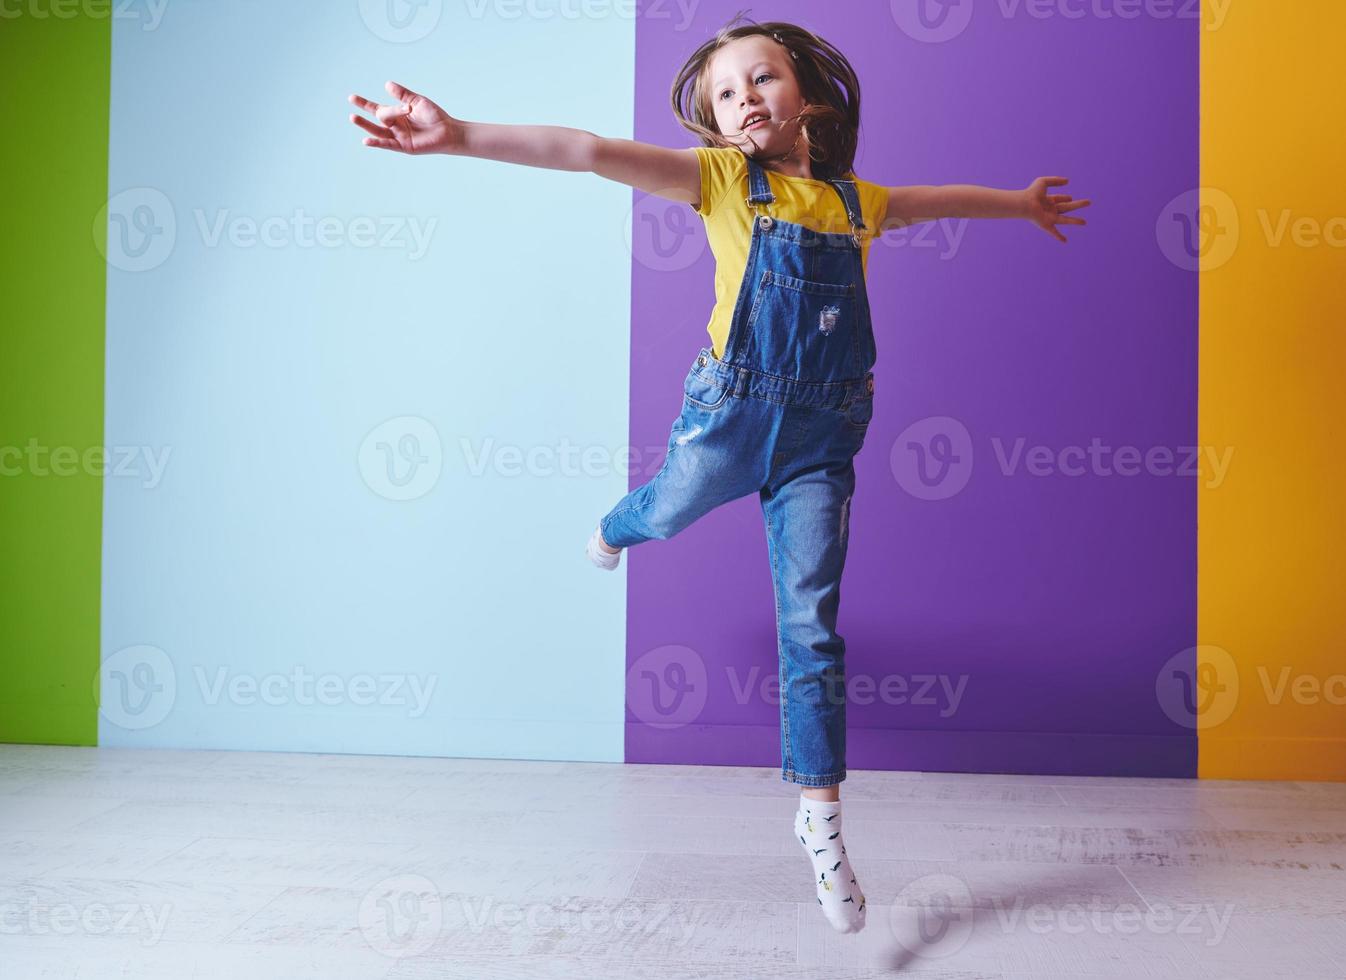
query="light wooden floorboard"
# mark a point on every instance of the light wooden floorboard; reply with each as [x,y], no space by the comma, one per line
[148,864]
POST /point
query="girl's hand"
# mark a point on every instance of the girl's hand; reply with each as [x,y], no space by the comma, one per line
[415,125]
[1049,210]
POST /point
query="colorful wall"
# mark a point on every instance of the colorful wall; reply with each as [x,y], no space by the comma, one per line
[360,411]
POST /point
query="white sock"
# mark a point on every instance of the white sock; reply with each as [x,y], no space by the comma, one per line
[598,556]
[818,830]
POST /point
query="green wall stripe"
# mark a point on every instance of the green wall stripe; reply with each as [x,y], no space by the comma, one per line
[54,156]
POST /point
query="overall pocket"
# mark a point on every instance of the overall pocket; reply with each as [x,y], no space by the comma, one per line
[702,393]
[861,412]
[806,329]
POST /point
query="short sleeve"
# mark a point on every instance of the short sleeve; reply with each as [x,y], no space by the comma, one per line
[874,202]
[721,168]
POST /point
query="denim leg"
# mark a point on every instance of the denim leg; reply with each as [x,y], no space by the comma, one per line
[713,458]
[807,520]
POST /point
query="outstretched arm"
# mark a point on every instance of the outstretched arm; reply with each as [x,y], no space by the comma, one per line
[908,205]
[416,125]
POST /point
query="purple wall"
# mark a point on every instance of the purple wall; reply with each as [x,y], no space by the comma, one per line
[1047,604]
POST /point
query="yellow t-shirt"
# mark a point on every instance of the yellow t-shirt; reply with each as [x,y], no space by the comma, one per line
[799,200]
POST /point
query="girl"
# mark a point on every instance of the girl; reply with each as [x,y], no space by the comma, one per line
[779,403]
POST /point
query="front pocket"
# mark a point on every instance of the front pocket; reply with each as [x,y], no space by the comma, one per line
[861,412]
[702,393]
[806,329]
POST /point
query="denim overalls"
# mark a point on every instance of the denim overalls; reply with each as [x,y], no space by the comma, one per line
[783,415]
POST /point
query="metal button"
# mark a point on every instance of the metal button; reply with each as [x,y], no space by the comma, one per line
[701,360]
[767,221]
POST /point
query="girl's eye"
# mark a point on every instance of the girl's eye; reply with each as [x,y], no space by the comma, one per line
[730,91]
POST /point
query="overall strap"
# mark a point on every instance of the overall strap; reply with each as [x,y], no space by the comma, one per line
[851,199]
[759,188]
[759,192]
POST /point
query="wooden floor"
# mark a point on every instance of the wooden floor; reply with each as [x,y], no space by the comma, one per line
[177,865]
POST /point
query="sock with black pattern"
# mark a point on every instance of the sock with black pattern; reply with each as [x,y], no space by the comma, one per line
[818,830]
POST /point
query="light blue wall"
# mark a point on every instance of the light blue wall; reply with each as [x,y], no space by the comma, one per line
[270,541]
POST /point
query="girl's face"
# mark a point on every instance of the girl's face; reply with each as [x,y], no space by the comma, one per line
[748,77]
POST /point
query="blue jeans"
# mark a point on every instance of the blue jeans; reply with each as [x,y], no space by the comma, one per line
[798,458]
[782,414]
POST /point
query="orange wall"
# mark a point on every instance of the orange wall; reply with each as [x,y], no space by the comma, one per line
[1273,373]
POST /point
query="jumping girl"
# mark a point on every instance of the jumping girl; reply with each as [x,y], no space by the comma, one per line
[779,402]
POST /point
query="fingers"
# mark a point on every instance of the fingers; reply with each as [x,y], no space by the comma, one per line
[382,144]
[1055,181]
[1057,235]
[359,100]
[400,93]
[383,113]
[382,132]
[1071,221]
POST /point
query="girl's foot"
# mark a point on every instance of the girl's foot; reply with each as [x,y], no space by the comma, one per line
[600,554]
[818,830]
